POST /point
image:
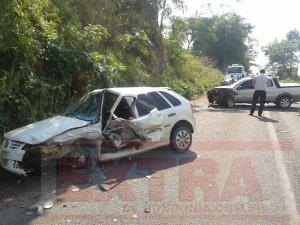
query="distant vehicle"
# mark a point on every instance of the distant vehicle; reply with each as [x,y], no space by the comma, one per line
[283,95]
[116,122]
[234,73]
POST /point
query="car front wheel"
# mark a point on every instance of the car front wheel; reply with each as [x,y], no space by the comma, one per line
[181,139]
[228,102]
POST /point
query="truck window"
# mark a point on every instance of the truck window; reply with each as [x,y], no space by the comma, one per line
[246,85]
[234,70]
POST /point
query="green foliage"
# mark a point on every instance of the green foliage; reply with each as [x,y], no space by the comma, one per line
[284,56]
[224,39]
[52,52]
[136,43]
[187,74]
[291,80]
[184,88]
[195,78]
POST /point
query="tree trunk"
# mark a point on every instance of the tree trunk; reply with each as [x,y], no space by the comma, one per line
[151,9]
[161,25]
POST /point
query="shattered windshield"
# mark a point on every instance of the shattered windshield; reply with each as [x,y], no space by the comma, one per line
[87,109]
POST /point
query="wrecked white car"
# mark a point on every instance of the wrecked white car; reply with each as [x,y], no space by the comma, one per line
[114,123]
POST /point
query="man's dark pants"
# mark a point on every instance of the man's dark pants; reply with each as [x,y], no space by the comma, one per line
[261,95]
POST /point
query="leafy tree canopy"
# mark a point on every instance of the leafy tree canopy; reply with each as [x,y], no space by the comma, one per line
[224,39]
[284,56]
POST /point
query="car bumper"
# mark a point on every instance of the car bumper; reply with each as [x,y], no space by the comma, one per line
[219,95]
[11,160]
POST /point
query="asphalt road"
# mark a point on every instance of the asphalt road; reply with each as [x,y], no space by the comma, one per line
[240,170]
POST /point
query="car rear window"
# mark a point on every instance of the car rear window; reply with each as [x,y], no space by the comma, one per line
[154,99]
[174,101]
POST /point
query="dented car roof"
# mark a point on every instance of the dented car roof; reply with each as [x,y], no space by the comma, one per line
[132,91]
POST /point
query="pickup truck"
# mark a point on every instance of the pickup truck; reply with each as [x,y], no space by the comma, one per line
[282,94]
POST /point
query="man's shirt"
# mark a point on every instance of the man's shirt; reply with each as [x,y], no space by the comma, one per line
[261,82]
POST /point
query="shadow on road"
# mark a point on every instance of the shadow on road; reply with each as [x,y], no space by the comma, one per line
[241,108]
[18,195]
[266,119]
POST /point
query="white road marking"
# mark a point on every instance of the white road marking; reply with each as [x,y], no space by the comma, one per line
[284,178]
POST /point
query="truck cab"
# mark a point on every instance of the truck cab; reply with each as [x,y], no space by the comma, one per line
[235,72]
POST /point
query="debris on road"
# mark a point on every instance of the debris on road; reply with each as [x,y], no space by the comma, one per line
[103,188]
[283,131]
[75,189]
[39,210]
[48,205]
[147,210]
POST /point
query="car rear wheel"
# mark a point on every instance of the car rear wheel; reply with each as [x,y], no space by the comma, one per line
[181,139]
[284,102]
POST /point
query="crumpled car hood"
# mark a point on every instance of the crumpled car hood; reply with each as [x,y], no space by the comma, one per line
[41,131]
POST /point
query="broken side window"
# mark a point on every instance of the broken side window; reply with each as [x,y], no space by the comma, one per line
[108,102]
[125,109]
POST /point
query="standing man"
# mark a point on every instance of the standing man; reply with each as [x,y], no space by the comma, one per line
[260,84]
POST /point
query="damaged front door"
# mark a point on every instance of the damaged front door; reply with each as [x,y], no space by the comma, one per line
[132,125]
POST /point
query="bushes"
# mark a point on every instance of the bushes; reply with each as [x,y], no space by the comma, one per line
[50,56]
[187,74]
[184,88]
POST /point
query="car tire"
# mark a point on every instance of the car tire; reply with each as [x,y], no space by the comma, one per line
[284,102]
[87,159]
[181,139]
[229,102]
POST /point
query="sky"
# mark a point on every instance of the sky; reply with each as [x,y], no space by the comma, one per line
[272,18]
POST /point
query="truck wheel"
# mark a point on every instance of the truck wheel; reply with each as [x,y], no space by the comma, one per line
[229,102]
[181,139]
[284,102]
